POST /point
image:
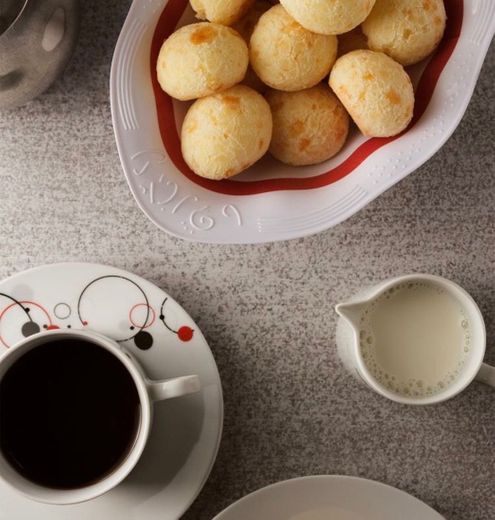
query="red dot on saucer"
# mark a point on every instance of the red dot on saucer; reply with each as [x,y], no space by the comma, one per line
[84,322]
[185,333]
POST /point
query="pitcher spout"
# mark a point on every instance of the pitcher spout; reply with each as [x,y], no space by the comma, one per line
[350,312]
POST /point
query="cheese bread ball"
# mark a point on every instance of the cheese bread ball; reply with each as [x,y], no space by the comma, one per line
[201,59]
[226,133]
[375,90]
[352,41]
[406,30]
[309,126]
[329,16]
[286,56]
[245,27]
[225,12]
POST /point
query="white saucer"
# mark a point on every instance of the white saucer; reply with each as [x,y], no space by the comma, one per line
[329,498]
[186,432]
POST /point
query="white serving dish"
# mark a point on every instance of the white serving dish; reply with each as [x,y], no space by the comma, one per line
[329,497]
[272,201]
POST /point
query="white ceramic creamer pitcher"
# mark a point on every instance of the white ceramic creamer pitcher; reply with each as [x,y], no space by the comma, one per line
[354,332]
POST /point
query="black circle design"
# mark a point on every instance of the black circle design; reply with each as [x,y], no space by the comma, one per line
[29,328]
[162,316]
[143,340]
[12,299]
[121,340]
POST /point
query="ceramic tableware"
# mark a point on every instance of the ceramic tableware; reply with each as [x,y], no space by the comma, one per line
[272,201]
[165,341]
[324,497]
[359,350]
[148,392]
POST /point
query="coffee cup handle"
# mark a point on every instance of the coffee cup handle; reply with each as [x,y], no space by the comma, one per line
[170,388]
[486,375]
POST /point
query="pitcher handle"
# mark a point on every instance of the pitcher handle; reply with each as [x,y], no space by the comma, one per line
[486,375]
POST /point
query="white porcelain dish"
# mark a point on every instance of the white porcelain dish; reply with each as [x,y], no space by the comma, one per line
[329,497]
[186,432]
[272,201]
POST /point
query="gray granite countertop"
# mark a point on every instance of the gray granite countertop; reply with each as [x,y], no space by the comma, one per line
[267,311]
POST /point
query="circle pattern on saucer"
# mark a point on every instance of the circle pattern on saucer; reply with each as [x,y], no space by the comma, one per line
[167,343]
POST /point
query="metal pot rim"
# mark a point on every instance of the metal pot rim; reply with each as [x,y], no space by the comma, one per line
[16,19]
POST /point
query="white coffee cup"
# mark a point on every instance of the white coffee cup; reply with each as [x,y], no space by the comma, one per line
[350,351]
[148,391]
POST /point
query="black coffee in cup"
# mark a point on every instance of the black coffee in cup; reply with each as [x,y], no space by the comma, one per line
[69,414]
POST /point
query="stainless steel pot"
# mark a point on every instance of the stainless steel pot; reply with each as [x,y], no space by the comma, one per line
[37,38]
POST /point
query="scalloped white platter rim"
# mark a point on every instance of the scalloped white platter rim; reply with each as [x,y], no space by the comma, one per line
[323,497]
[193,209]
[186,431]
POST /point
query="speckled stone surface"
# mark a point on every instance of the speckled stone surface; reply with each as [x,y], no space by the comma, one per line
[267,311]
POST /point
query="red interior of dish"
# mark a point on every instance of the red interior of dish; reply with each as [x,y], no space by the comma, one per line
[165,110]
